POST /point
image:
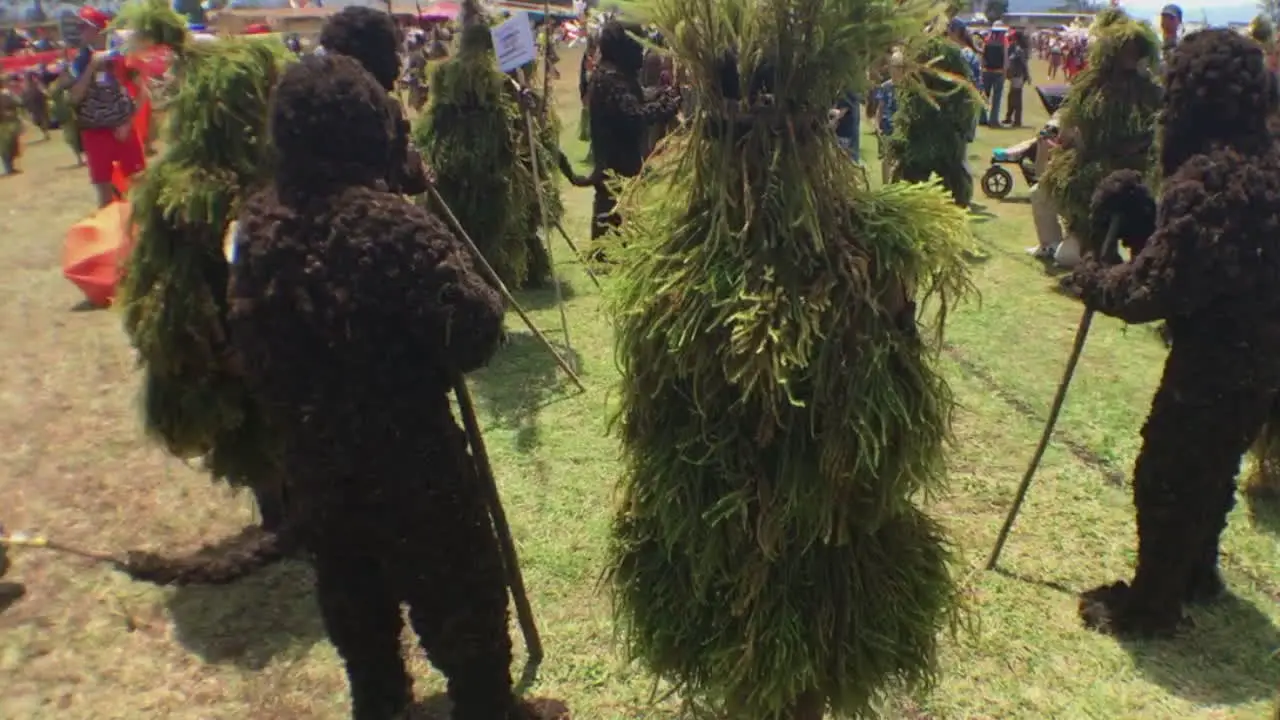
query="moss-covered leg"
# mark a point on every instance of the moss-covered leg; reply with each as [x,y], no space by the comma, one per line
[458,605]
[1204,583]
[1183,489]
[362,618]
[1248,415]
[604,216]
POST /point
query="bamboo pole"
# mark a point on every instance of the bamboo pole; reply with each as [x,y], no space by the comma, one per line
[1077,347]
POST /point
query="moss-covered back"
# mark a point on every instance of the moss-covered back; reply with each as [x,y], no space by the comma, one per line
[780,413]
[466,137]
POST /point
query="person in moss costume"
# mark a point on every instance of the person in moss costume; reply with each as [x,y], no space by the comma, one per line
[1207,263]
[10,129]
[781,412]
[371,37]
[621,117]
[173,292]
[1107,124]
[396,312]
[61,110]
[467,138]
[934,123]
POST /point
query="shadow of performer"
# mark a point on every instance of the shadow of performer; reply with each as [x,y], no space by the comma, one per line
[1224,659]
[522,379]
[248,623]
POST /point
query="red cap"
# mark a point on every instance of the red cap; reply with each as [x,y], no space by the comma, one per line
[95,17]
[256,29]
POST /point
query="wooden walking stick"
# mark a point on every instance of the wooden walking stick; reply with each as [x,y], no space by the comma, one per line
[492,275]
[39,542]
[543,222]
[1082,333]
[506,545]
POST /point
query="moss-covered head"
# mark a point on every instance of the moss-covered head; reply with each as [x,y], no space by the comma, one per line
[154,22]
[620,48]
[1120,44]
[370,36]
[476,39]
[331,125]
[1218,91]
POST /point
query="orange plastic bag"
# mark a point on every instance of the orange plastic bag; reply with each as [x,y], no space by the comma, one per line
[94,254]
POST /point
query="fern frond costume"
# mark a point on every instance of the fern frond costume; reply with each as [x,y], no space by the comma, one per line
[1110,114]
[466,138]
[934,122]
[174,289]
[781,414]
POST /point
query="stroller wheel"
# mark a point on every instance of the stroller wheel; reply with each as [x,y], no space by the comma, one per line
[997,182]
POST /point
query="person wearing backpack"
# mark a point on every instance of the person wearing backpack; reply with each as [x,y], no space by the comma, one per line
[994,64]
[103,109]
[1018,74]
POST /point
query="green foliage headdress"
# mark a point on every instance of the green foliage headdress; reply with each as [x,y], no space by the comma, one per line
[1111,115]
[780,414]
[174,288]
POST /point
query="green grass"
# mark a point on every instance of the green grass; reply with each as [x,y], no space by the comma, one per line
[87,643]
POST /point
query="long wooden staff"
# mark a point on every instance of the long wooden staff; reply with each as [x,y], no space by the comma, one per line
[1082,334]
[39,542]
[506,545]
[544,219]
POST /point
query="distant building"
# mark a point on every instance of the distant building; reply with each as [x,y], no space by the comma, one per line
[1046,20]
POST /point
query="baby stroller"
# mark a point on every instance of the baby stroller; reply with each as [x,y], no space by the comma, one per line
[997,182]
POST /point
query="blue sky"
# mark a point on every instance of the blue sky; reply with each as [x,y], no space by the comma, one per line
[1218,11]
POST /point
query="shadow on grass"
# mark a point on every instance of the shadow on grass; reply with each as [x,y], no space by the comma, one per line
[438,707]
[522,379]
[1264,509]
[1225,659]
[84,306]
[1047,584]
[544,298]
[249,622]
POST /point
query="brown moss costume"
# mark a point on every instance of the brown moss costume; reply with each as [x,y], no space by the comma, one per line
[1211,268]
[620,117]
[353,311]
[371,38]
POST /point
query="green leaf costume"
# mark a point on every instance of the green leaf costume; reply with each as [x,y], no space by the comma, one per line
[781,415]
[935,121]
[174,289]
[1111,115]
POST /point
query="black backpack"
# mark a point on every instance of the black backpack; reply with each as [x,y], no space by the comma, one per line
[993,54]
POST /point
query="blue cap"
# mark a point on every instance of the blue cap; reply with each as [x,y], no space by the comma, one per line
[955,24]
[1172,11]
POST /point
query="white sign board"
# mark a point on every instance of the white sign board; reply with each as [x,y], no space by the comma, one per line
[513,42]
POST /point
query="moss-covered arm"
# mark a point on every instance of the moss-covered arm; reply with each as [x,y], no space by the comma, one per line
[1176,273]
[459,312]
[621,101]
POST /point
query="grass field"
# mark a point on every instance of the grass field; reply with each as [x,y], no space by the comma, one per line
[86,642]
